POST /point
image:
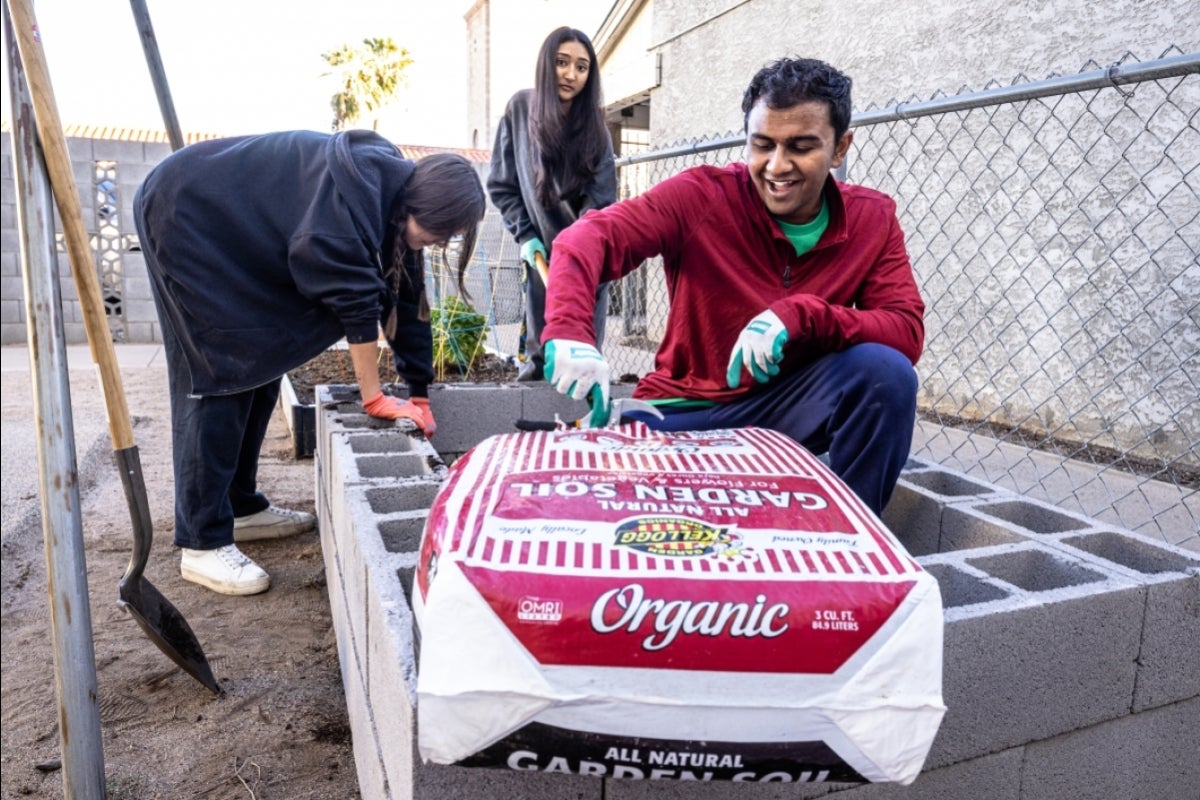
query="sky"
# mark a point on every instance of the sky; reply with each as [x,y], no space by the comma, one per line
[250,66]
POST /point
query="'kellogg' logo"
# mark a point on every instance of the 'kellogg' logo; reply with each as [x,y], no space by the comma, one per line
[679,537]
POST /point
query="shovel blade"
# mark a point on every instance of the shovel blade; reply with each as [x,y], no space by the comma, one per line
[167,628]
[155,615]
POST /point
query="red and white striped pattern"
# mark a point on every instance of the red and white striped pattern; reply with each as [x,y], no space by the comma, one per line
[634,454]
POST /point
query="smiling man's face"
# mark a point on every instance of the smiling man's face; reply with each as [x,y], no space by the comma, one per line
[790,152]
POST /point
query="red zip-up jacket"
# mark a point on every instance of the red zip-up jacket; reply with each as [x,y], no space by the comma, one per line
[725,260]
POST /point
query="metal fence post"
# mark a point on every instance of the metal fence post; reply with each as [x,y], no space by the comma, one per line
[70,612]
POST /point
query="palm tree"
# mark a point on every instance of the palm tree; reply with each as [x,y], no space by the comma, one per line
[371,75]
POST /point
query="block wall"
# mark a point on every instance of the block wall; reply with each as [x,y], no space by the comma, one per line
[1072,648]
[107,173]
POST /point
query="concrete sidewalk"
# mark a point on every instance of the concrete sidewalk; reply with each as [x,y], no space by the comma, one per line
[143,371]
[15,357]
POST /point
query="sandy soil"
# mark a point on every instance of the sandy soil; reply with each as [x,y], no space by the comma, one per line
[279,730]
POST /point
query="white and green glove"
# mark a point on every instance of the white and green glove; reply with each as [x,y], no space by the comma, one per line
[759,348]
[530,247]
[577,369]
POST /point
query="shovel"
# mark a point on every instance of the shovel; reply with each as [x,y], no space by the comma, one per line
[160,620]
[141,15]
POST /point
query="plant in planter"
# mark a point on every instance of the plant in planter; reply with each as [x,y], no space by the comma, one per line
[458,355]
[458,336]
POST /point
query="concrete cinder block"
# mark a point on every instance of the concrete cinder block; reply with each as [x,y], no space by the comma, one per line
[1148,755]
[139,332]
[949,485]
[157,151]
[402,497]
[437,782]
[339,607]
[917,511]
[373,781]
[1031,516]
[386,457]
[542,401]
[344,576]
[342,412]
[344,610]
[967,525]
[369,576]
[995,777]
[135,310]
[914,517]
[390,619]
[81,149]
[399,469]
[391,686]
[131,175]
[1055,653]
[1169,659]
[961,588]
[1055,629]
[120,150]
[469,413]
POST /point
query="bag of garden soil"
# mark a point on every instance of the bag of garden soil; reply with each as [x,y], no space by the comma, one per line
[714,605]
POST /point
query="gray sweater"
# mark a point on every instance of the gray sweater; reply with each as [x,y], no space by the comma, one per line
[511,181]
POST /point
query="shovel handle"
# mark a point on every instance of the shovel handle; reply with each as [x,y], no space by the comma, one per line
[543,271]
[66,196]
[141,15]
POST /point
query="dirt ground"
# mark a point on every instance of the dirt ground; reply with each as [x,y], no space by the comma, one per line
[280,728]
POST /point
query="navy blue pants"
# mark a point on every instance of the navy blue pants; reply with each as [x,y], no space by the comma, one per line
[215,442]
[859,405]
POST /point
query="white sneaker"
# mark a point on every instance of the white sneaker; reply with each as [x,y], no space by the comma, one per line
[225,570]
[272,523]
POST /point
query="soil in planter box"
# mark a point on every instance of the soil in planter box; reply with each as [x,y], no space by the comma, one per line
[334,366]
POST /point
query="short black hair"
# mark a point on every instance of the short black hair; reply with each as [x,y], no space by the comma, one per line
[791,81]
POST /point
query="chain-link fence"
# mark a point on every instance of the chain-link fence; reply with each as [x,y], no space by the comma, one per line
[1054,228]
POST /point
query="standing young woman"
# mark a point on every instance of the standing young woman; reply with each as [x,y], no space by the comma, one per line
[262,252]
[552,161]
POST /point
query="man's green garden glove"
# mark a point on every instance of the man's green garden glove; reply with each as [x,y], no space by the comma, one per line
[759,348]
[577,369]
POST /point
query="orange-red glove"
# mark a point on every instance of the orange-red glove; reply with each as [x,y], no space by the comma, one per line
[387,407]
[430,423]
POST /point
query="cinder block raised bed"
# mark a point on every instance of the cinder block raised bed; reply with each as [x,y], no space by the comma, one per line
[1072,648]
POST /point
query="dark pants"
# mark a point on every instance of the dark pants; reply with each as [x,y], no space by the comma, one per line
[859,405]
[215,443]
[535,320]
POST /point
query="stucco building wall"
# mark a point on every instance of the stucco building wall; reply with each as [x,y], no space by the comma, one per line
[894,51]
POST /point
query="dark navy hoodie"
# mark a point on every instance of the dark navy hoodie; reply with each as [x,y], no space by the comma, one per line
[265,250]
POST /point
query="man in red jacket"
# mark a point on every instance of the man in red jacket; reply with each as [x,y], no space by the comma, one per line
[792,301]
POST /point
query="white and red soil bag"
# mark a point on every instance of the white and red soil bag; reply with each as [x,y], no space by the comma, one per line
[714,605]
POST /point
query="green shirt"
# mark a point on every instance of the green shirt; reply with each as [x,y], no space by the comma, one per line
[805,237]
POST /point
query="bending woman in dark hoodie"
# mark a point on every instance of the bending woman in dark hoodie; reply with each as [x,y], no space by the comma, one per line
[263,251]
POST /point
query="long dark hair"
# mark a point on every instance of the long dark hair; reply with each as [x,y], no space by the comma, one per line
[567,149]
[445,196]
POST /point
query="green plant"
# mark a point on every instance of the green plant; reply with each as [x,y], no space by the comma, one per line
[458,334]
